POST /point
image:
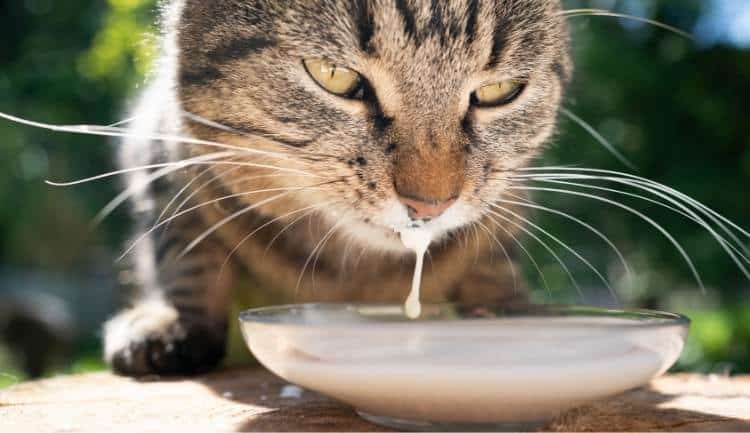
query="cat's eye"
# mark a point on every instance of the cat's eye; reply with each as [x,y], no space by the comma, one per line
[497,94]
[335,79]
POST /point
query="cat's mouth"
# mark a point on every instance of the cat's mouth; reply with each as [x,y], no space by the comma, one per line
[380,231]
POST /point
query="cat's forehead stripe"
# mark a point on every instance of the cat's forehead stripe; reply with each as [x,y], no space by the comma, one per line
[410,26]
[471,22]
[240,48]
[365,22]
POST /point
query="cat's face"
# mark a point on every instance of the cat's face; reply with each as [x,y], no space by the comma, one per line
[427,101]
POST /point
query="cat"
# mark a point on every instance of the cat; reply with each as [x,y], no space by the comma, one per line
[309,133]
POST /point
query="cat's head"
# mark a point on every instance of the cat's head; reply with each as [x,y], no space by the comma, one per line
[402,110]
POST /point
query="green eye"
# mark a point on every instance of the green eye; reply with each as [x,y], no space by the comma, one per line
[497,94]
[335,79]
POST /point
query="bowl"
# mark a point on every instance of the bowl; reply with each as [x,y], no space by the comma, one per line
[462,367]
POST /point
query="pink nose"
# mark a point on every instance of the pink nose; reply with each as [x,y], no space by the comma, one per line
[425,210]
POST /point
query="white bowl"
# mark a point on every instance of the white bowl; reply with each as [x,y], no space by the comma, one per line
[461,367]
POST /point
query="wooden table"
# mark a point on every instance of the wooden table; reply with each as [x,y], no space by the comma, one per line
[254,400]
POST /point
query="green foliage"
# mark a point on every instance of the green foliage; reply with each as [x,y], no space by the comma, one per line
[9,374]
[63,62]
[718,341]
[125,47]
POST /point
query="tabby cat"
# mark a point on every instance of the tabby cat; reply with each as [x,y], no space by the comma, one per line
[299,136]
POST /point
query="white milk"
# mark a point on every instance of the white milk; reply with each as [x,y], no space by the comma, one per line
[417,240]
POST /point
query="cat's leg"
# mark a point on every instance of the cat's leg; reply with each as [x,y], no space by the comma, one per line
[178,323]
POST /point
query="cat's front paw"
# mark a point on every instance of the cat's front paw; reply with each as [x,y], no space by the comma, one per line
[151,338]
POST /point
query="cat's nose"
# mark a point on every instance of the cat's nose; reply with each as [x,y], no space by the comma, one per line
[423,209]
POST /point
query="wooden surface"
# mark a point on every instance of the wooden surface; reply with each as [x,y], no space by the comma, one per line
[253,400]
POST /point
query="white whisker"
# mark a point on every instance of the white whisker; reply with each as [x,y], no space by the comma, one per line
[476,243]
[733,251]
[284,229]
[227,220]
[695,203]
[541,242]
[491,236]
[650,221]
[657,189]
[113,131]
[582,223]
[177,165]
[188,185]
[217,178]
[525,251]
[598,137]
[570,13]
[317,257]
[140,185]
[325,237]
[557,240]
[122,122]
[268,223]
[204,204]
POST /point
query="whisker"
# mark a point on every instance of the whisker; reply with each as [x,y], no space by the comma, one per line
[177,165]
[571,13]
[189,184]
[217,178]
[325,237]
[239,213]
[122,122]
[204,204]
[268,223]
[476,242]
[540,241]
[317,257]
[344,260]
[141,184]
[358,261]
[284,229]
[112,131]
[598,137]
[671,191]
[562,244]
[684,211]
[649,186]
[650,221]
[525,251]
[227,220]
[580,222]
[491,236]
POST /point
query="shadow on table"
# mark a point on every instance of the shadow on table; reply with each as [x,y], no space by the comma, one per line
[286,407]
[638,410]
[644,410]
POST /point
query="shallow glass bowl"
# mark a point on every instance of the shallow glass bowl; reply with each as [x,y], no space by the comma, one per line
[461,367]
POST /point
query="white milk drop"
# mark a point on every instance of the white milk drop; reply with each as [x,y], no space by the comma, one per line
[417,240]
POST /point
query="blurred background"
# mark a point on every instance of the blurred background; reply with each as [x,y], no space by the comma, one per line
[677,109]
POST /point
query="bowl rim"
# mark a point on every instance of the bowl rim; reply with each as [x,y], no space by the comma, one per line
[640,318]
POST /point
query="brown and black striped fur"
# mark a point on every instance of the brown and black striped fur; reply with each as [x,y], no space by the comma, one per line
[238,64]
